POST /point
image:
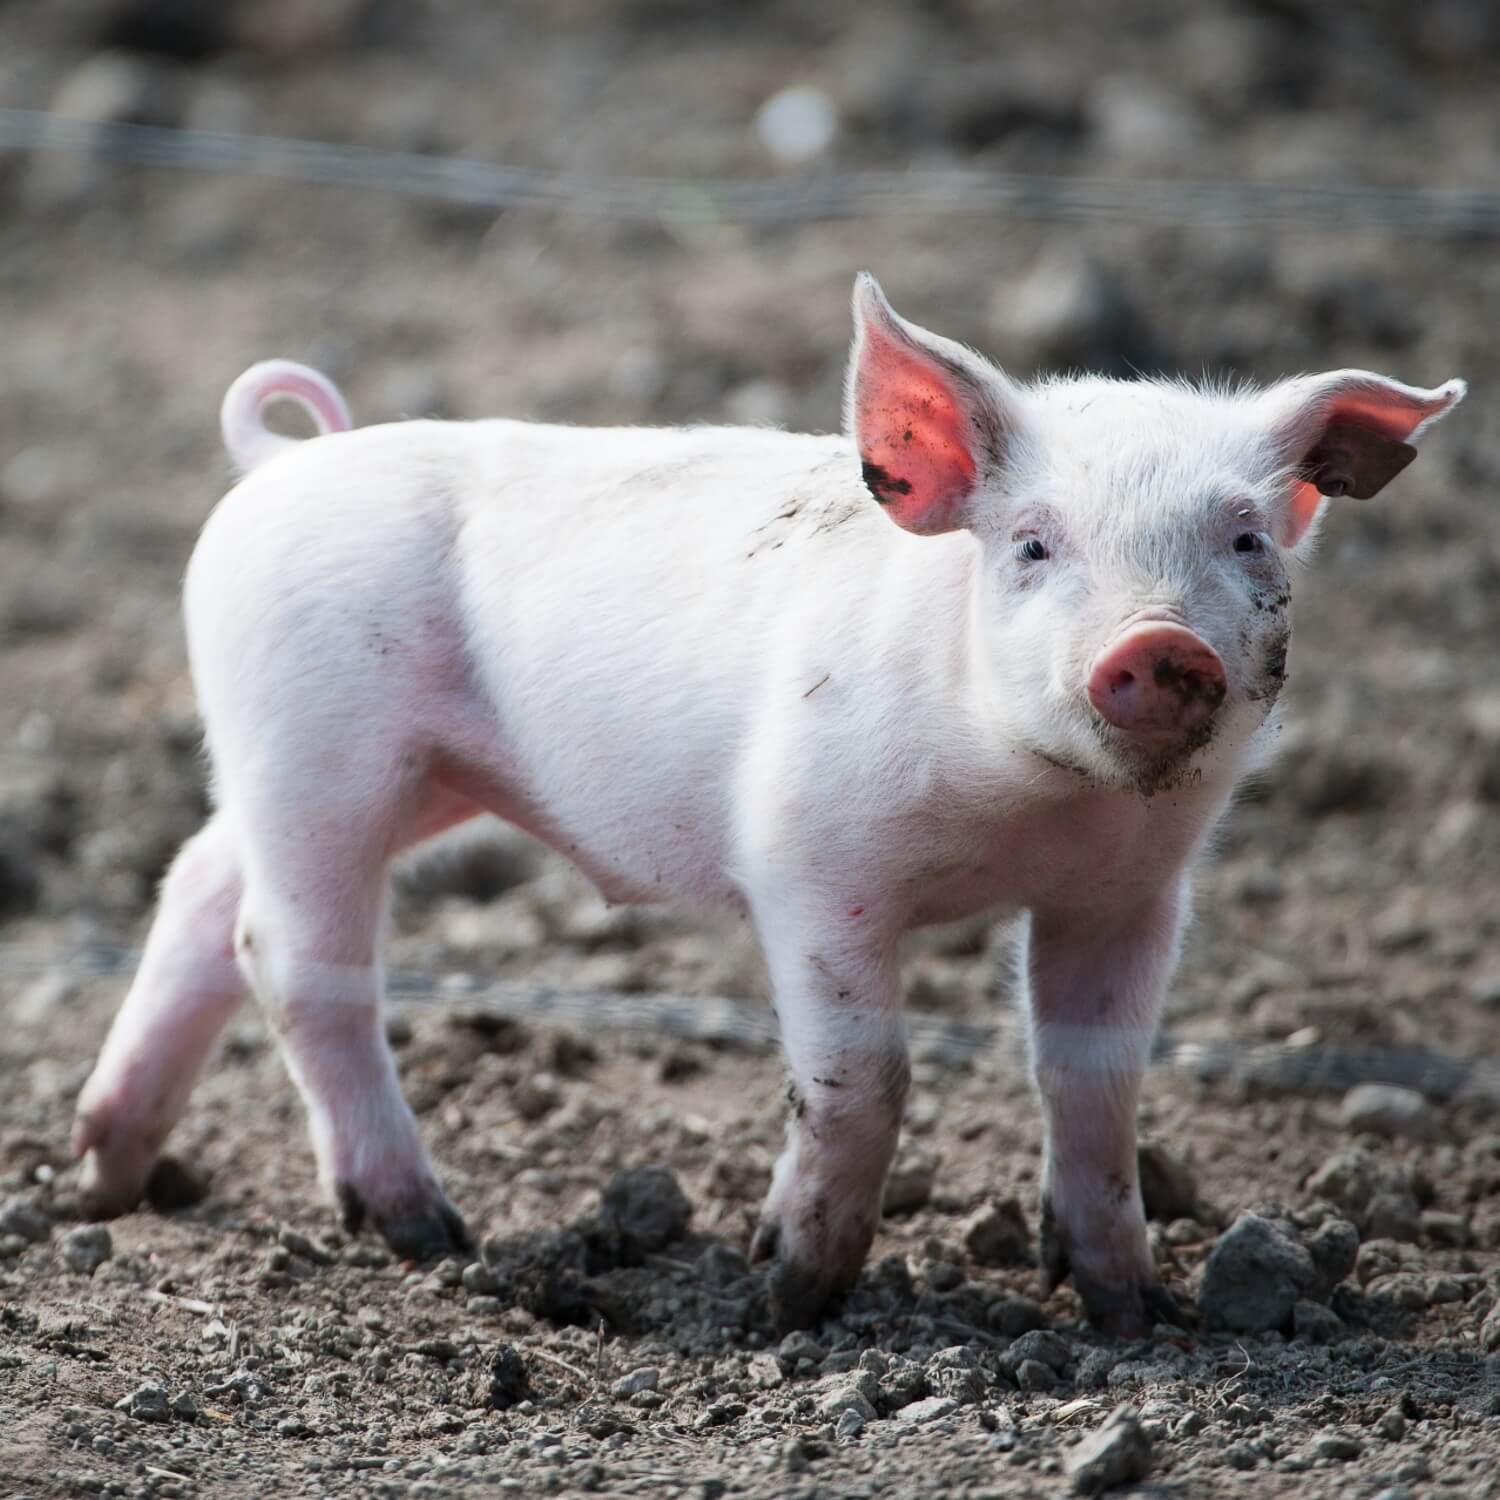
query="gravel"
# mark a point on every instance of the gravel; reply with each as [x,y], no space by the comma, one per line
[86,1248]
[1116,1453]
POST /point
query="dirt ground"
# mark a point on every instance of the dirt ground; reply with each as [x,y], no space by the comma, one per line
[610,1337]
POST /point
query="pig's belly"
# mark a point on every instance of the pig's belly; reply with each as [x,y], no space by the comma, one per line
[643,821]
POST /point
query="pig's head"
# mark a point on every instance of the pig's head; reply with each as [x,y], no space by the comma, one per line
[1132,608]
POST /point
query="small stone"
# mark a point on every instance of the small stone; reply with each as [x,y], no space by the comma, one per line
[22,1218]
[299,1244]
[795,1457]
[86,1248]
[646,1378]
[1485,989]
[721,1413]
[1338,1446]
[1052,1349]
[1168,1188]
[909,1185]
[1254,1277]
[678,1064]
[1404,1289]
[146,1403]
[1489,1331]
[1377,1258]
[844,1397]
[1443,1289]
[996,1235]
[184,1407]
[478,1280]
[1315,1322]
[902,1382]
[1116,1453]
[1334,1247]
[509,1384]
[849,1425]
[1094,1368]
[536,1095]
[1392,1425]
[955,1373]
[1448,1231]
[928,1410]
[645,1209]
[1376,1195]
[796,1347]
[1012,1316]
[1033,1375]
[1384,1109]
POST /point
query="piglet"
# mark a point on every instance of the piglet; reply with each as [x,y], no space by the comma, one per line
[997,647]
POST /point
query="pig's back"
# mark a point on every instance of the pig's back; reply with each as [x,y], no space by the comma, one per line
[643,608]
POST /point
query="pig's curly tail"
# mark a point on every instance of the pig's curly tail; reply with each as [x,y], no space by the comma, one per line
[249,440]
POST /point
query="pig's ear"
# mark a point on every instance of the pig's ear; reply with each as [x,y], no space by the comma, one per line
[930,419]
[1348,433]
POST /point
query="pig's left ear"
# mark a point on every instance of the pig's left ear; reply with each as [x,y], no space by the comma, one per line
[931,420]
[1347,433]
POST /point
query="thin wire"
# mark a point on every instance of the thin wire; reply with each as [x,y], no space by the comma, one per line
[719,1020]
[806,198]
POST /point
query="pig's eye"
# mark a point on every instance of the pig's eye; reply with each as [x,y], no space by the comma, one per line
[1248,541]
[1031,549]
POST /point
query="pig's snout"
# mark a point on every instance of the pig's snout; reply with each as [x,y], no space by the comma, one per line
[1157,682]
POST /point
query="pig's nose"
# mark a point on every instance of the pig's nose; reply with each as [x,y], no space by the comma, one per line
[1158,681]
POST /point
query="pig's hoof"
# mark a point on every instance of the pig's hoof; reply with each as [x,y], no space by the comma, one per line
[101,1200]
[415,1229]
[110,1184]
[1129,1311]
[799,1295]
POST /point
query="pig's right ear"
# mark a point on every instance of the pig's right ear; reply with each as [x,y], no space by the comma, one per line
[931,420]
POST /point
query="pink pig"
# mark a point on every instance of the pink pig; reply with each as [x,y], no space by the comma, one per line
[1001,646]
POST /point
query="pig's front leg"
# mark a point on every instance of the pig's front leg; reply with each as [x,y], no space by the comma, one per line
[839,1002]
[1095,982]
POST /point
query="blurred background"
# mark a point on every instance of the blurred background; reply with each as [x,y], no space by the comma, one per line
[1353,895]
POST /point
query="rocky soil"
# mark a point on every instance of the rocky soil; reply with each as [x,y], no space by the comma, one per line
[1339,1241]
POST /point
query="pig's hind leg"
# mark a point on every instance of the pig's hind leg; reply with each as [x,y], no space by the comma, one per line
[308,940]
[838,999]
[185,989]
[1094,986]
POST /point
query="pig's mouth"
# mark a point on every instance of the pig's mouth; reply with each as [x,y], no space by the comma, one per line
[1150,764]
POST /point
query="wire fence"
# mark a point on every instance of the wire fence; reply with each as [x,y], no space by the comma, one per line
[717,1020]
[805,197]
